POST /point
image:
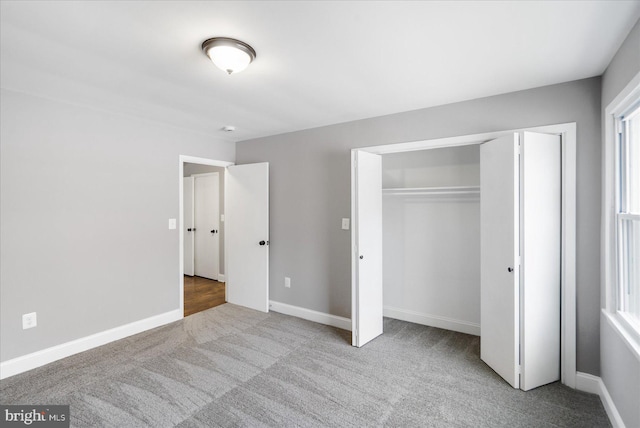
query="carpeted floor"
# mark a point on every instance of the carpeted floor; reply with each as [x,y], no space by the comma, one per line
[229,366]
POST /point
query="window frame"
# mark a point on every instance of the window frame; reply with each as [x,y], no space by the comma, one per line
[626,100]
[622,211]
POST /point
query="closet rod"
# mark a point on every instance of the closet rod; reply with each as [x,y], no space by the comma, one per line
[436,191]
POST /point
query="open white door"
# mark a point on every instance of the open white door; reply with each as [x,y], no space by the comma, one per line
[540,249]
[499,253]
[366,308]
[247,235]
[187,216]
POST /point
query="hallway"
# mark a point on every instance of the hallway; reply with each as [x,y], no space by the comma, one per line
[201,294]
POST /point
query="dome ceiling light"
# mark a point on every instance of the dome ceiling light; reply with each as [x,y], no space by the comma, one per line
[229,55]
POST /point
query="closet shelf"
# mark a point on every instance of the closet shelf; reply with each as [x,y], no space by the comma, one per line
[433,191]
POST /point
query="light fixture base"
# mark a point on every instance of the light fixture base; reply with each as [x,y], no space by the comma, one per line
[230,55]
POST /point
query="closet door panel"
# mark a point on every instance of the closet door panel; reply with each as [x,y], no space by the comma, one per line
[499,231]
[367,258]
[540,249]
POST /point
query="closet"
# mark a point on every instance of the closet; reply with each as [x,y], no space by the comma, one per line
[431,237]
[470,242]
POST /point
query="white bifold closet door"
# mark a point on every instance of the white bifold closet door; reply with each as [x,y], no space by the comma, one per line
[366,296]
[207,225]
[520,210]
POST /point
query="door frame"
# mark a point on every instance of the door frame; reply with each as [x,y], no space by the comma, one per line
[567,131]
[181,161]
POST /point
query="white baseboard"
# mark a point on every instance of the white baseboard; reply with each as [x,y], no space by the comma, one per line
[593,384]
[308,314]
[40,358]
[588,383]
[432,320]
[221,278]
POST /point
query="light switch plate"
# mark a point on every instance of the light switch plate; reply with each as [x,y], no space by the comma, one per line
[172,223]
[221,217]
[345,224]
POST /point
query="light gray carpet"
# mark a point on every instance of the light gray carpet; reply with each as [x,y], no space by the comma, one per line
[230,366]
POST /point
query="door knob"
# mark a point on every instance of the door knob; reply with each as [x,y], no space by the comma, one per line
[262,242]
[510,269]
[361,257]
[189,230]
[214,231]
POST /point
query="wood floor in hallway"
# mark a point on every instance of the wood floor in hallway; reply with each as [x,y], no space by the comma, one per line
[201,293]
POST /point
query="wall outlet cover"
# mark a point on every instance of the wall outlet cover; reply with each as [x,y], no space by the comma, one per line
[29,320]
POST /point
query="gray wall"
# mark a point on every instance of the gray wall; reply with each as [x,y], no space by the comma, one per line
[84,238]
[194,168]
[310,192]
[620,367]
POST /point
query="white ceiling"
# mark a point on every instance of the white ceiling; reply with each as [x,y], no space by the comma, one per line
[318,62]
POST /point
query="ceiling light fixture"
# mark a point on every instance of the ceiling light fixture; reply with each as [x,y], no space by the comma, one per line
[229,55]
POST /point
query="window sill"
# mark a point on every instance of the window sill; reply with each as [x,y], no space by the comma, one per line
[629,336]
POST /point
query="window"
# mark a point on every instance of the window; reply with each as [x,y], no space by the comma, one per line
[627,215]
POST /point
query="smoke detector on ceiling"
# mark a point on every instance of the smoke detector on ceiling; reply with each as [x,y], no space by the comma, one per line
[229,128]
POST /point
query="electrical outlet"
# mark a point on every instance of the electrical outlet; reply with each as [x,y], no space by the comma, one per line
[29,320]
[287,282]
[172,223]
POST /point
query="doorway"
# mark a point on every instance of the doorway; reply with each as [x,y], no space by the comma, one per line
[203,212]
[431,237]
[361,312]
[243,227]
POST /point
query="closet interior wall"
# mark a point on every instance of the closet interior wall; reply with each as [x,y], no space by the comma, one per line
[431,237]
